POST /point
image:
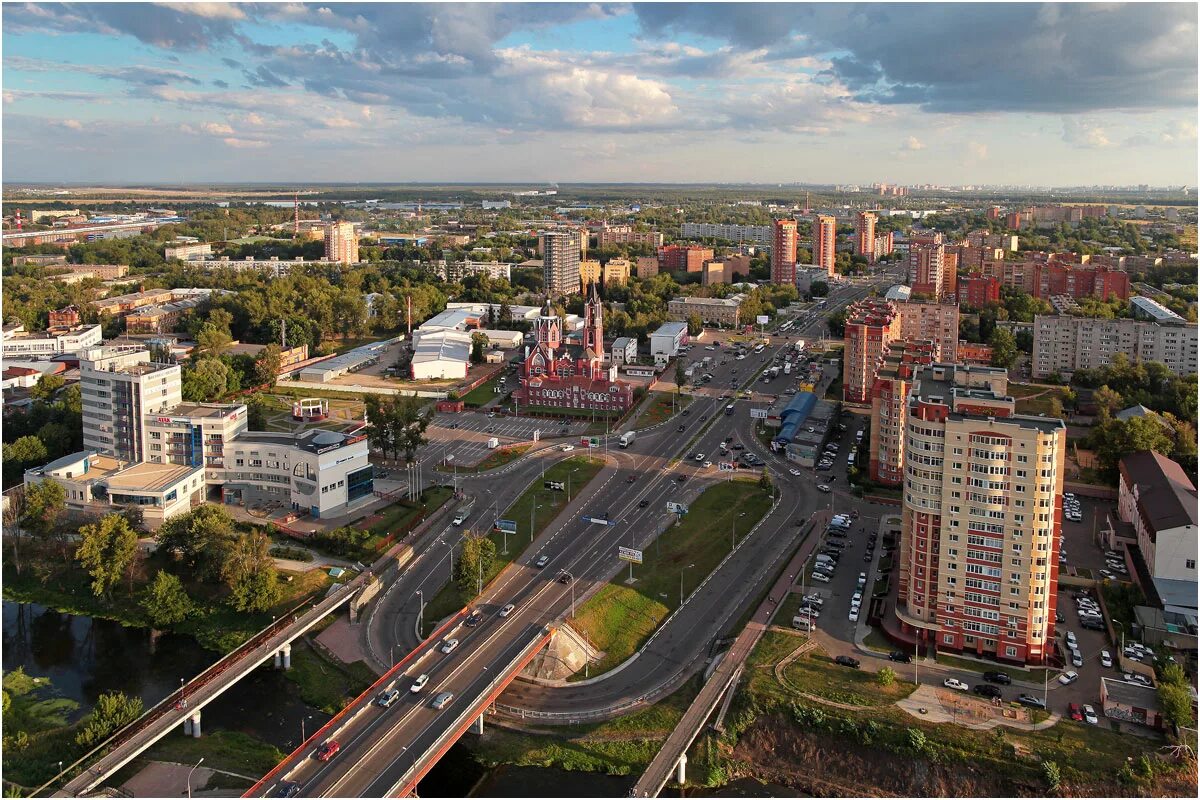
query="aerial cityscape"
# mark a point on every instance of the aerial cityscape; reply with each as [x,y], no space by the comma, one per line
[599,400]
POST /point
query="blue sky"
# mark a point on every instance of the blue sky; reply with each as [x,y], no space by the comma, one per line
[913,93]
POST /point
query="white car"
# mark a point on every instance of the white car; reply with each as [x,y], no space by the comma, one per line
[815,599]
[419,684]
[449,645]
[508,609]
[854,614]
[707,465]
[1076,659]
[819,577]
[1068,677]
[823,488]
[1071,640]
[699,457]
[566,448]
[955,683]
[1089,716]
[795,472]
[1105,659]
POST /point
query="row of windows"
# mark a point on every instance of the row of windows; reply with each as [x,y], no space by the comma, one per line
[985,541]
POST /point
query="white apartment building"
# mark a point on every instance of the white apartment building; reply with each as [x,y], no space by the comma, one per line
[318,471]
[761,235]
[1064,344]
[120,387]
[978,552]
[187,251]
[19,343]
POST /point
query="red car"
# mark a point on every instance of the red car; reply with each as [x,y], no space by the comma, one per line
[1075,712]
[328,750]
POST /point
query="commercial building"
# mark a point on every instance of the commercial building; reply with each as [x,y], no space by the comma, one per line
[977,291]
[189,251]
[317,471]
[978,552]
[647,267]
[761,235]
[1126,701]
[195,435]
[1158,498]
[560,262]
[864,235]
[341,243]
[711,310]
[616,271]
[824,242]
[441,355]
[349,361]
[96,483]
[683,257]
[666,341]
[119,388]
[783,252]
[19,343]
[804,426]
[1063,344]
[926,263]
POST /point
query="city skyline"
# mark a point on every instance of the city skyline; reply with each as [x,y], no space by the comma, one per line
[758,93]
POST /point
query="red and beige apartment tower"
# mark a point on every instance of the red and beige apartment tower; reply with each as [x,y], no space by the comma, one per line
[824,249]
[889,397]
[981,518]
[925,268]
[864,235]
[783,253]
[871,325]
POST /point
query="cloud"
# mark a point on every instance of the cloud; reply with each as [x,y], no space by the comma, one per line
[976,151]
[1181,131]
[185,26]
[912,144]
[73,124]
[244,144]
[217,128]
[1079,132]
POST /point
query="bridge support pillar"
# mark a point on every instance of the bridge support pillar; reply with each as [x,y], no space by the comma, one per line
[479,724]
[278,659]
[681,770]
[287,656]
[187,726]
[196,724]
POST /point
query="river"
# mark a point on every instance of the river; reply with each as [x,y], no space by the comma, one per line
[85,657]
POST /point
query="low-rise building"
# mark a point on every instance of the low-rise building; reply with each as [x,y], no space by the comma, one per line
[441,355]
[162,318]
[39,260]
[195,435]
[19,343]
[351,361]
[616,271]
[1158,498]
[711,310]
[666,341]
[187,251]
[319,471]
[1126,701]
[1064,343]
[624,350]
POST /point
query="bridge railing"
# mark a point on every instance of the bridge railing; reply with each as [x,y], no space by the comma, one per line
[179,696]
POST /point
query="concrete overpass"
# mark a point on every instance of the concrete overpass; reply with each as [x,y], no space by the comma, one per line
[183,707]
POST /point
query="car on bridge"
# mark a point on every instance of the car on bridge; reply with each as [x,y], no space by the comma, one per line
[474,618]
[328,750]
[419,683]
[385,699]
[449,645]
[287,789]
[442,700]
[508,609]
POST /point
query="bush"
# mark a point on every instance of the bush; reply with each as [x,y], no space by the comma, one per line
[1052,774]
[886,676]
[291,553]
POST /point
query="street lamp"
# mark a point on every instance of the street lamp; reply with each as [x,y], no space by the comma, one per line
[303,735]
[421,613]
[189,777]
[571,580]
[685,569]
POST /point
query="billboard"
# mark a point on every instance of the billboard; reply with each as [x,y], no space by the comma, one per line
[506,525]
[726,466]
[676,508]
[558,486]
[589,441]
[629,554]
[762,319]
[758,413]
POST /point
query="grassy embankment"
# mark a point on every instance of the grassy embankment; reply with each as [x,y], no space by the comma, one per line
[620,617]
[544,504]
[659,408]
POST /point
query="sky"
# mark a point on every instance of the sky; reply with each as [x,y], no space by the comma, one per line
[951,94]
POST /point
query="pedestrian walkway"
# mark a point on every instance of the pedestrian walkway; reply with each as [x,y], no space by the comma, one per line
[925,703]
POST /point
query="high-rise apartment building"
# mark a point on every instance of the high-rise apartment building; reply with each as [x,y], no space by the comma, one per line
[936,322]
[977,291]
[616,270]
[925,269]
[889,398]
[560,262]
[119,386]
[341,242]
[647,266]
[1063,343]
[783,252]
[864,235]
[982,495]
[872,325]
[824,246]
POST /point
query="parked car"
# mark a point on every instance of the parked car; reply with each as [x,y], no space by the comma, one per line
[1105,659]
[987,690]
[899,656]
[1089,715]
[955,683]
[1068,677]
[328,750]
[1075,712]
[1030,701]
[997,677]
[819,577]
[847,661]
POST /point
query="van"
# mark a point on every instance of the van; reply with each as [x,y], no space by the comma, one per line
[461,516]
[803,623]
[819,578]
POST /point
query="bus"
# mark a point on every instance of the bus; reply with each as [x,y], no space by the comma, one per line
[787,326]
[758,349]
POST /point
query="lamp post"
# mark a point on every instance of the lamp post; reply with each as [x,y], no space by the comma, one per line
[189,777]
[421,613]
[571,581]
[450,547]
[303,733]
[685,569]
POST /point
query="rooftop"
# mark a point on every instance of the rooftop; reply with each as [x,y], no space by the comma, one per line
[1155,310]
[201,410]
[1166,496]
[670,329]
[314,441]
[148,476]
[1129,694]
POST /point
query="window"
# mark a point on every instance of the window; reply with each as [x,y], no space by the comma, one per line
[1191,563]
[948,638]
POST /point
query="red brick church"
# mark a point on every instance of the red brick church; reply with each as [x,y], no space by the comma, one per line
[560,374]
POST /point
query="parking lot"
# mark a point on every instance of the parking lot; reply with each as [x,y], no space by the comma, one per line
[465,436]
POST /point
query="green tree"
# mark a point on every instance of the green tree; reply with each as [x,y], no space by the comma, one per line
[1176,703]
[46,386]
[764,480]
[818,289]
[886,676]
[1116,438]
[45,502]
[695,325]
[680,374]
[267,365]
[112,712]
[474,562]
[165,601]
[478,345]
[505,313]
[1052,775]
[206,381]
[1108,402]
[199,539]
[1004,348]
[249,572]
[915,739]
[213,339]
[106,550]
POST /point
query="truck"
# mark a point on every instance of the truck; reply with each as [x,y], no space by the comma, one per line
[787,368]
[707,360]
[493,443]
[626,439]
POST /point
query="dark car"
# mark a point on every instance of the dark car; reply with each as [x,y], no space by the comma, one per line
[474,618]
[682,428]
[1030,701]
[997,677]
[687,411]
[847,661]
[564,578]
[900,656]
[987,690]
[631,479]
[680,478]
[328,750]
[643,503]
[286,789]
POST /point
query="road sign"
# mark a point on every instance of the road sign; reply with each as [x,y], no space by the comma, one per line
[758,413]
[558,486]
[506,525]
[599,520]
[629,554]
[726,466]
[676,508]
[762,319]
[589,441]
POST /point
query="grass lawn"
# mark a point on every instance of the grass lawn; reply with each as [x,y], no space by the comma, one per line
[817,674]
[398,515]
[497,458]
[1031,675]
[1040,405]
[659,408]
[619,618]
[544,504]
[482,393]
[228,750]
[787,609]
